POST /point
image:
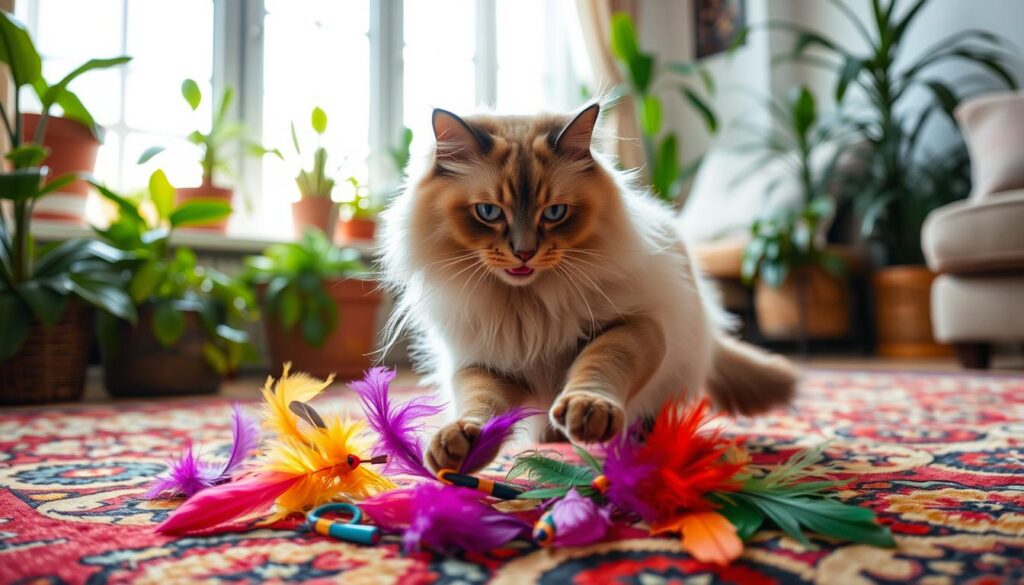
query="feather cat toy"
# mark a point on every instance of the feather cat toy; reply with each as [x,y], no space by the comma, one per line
[311,460]
[436,515]
[684,478]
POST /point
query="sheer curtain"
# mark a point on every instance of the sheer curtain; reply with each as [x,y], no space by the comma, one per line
[595,19]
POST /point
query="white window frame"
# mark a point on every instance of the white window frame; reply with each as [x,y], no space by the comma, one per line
[238,63]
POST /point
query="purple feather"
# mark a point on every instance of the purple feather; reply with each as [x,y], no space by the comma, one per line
[398,426]
[492,436]
[579,521]
[189,475]
[443,518]
[628,475]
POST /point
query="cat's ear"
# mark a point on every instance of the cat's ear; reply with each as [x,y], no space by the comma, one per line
[457,140]
[574,140]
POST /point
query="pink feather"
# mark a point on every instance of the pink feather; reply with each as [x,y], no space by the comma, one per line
[398,426]
[630,474]
[492,436]
[225,503]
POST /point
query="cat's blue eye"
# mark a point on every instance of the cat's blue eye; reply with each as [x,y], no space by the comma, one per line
[488,211]
[555,212]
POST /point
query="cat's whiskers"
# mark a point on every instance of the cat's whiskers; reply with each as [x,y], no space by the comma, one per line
[591,264]
[583,296]
[594,285]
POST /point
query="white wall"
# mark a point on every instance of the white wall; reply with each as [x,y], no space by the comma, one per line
[666,28]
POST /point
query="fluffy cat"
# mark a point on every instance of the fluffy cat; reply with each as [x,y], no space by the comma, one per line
[531,273]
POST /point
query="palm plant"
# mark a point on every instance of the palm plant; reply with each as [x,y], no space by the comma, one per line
[894,199]
[645,77]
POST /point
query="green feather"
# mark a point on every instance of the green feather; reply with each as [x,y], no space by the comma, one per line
[549,471]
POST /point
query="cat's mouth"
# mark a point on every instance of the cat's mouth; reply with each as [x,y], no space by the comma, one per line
[520,271]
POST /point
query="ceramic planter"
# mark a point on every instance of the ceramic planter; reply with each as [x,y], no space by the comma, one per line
[73,149]
[207,192]
[346,351]
[318,212]
[355,230]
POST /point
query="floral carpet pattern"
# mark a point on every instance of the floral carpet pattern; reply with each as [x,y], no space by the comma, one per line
[939,457]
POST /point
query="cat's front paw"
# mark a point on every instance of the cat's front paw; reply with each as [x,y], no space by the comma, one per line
[449,447]
[587,417]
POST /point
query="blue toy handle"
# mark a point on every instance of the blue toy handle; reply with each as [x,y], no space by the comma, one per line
[349,531]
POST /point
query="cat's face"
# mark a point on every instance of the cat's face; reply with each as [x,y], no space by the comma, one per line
[514,196]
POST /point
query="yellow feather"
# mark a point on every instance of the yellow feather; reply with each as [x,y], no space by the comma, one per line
[321,456]
[277,417]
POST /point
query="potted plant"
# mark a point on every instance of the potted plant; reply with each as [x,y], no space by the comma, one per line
[223,134]
[357,219]
[71,140]
[896,195]
[45,298]
[187,337]
[320,305]
[315,207]
[800,289]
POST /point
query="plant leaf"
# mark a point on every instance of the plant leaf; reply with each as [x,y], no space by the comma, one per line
[168,324]
[149,153]
[46,303]
[199,211]
[15,322]
[705,111]
[55,90]
[104,296]
[18,51]
[190,91]
[162,193]
[319,120]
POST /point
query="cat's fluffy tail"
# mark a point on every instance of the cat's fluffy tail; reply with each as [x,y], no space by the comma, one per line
[748,380]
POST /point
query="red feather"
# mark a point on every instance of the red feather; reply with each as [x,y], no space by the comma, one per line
[225,503]
[690,460]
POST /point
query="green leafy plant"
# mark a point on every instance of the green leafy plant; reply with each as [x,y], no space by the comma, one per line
[296,275]
[788,238]
[169,282]
[224,134]
[361,205]
[894,199]
[36,287]
[400,156]
[644,75]
[314,182]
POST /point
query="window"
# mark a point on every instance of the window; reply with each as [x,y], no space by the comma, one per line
[139,105]
[373,65]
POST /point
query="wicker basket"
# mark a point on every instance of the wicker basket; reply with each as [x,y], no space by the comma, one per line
[50,366]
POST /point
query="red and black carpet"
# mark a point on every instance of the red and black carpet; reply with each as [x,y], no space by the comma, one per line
[939,457]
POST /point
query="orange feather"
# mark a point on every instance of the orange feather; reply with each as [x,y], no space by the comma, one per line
[708,536]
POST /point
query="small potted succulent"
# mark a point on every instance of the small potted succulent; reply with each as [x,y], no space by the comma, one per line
[46,295]
[357,221]
[800,285]
[72,139]
[224,134]
[188,334]
[315,207]
[320,305]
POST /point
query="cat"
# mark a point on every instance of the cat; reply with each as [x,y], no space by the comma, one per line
[532,273]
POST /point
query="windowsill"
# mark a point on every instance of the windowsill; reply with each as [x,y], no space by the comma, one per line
[197,239]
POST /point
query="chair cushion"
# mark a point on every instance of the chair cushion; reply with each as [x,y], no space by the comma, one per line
[976,235]
[977,308]
[993,125]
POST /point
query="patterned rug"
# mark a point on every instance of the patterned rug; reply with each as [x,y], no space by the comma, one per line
[939,457]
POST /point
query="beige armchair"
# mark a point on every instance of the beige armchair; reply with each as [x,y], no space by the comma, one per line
[977,245]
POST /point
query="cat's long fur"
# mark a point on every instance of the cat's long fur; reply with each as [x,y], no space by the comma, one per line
[635,266]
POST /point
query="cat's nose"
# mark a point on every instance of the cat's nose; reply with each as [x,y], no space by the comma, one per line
[525,255]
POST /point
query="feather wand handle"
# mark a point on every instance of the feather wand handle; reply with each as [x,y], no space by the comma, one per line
[497,489]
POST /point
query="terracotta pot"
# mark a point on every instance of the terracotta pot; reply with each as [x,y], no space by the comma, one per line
[318,212]
[141,366]
[903,313]
[50,366]
[73,148]
[207,192]
[346,352]
[355,230]
[825,298]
